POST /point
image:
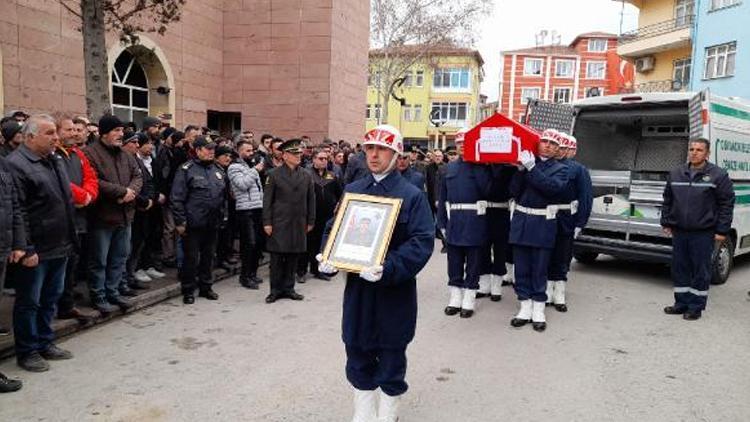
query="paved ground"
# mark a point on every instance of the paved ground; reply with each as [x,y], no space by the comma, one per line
[614,357]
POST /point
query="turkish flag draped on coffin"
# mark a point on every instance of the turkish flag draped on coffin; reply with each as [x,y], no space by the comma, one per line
[499,139]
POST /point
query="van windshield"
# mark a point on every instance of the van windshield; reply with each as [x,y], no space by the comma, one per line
[646,139]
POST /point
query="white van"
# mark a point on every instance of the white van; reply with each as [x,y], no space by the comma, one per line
[630,143]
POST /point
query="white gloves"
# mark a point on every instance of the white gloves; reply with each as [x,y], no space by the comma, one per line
[372,274]
[576,232]
[325,267]
[527,159]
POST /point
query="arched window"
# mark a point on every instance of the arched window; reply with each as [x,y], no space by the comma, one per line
[130,100]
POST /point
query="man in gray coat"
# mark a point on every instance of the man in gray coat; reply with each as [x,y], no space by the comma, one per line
[288,215]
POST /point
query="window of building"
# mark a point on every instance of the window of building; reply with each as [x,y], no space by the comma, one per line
[720,4]
[129,89]
[408,79]
[451,78]
[562,95]
[407,113]
[533,67]
[530,93]
[595,70]
[417,115]
[595,91]
[597,45]
[564,68]
[377,111]
[683,12]
[419,79]
[681,72]
[368,112]
[720,61]
[453,114]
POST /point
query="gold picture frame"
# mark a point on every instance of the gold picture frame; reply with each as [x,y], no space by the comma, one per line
[361,231]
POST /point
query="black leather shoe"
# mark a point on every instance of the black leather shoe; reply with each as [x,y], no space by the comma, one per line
[272,298]
[169,264]
[450,310]
[256,279]
[208,294]
[33,362]
[188,299]
[124,305]
[691,316]
[496,298]
[443,250]
[55,353]
[467,313]
[518,322]
[674,310]
[482,295]
[249,285]
[294,295]
[506,283]
[561,307]
[321,276]
[231,260]
[8,385]
[539,326]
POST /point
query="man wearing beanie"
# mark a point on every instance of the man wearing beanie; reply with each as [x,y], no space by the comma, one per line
[11,131]
[152,129]
[120,181]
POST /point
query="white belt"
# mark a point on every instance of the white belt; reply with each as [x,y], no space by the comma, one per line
[550,213]
[572,207]
[500,205]
[480,207]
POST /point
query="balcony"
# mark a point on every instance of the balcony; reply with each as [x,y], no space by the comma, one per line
[668,85]
[662,36]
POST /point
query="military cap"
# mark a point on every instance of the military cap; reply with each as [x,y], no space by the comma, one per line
[293,146]
[203,142]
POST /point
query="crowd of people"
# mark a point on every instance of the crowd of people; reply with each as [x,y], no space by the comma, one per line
[111,206]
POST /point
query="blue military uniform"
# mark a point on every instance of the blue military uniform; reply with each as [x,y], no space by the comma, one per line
[698,204]
[533,227]
[198,202]
[414,177]
[498,221]
[463,191]
[379,319]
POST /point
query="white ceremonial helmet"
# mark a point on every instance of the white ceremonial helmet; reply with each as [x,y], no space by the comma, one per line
[386,136]
[553,136]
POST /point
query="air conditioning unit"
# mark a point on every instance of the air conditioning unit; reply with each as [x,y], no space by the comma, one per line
[644,64]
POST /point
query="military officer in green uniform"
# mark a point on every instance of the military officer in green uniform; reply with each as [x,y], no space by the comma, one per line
[288,215]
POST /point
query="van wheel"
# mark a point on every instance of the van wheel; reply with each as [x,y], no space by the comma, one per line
[723,260]
[585,257]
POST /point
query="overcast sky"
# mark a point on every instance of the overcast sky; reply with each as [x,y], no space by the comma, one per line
[513,25]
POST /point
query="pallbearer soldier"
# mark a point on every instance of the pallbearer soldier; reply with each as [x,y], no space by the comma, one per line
[380,303]
[462,217]
[575,209]
[498,221]
[533,227]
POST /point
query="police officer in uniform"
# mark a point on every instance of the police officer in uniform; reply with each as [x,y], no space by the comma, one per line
[498,224]
[697,212]
[533,227]
[462,218]
[198,204]
[380,303]
[288,215]
[575,209]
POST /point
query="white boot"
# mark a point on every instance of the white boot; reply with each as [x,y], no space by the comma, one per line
[454,304]
[558,297]
[509,276]
[524,314]
[550,291]
[467,305]
[365,406]
[389,407]
[484,286]
[537,316]
[496,288]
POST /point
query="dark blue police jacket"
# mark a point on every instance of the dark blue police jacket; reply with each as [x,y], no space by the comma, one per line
[414,177]
[498,219]
[464,183]
[537,189]
[198,194]
[384,314]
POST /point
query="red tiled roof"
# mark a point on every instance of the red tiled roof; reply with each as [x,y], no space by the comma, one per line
[545,50]
[595,34]
[438,50]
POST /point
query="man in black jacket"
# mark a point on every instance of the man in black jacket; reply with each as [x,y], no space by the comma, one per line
[168,160]
[697,214]
[47,204]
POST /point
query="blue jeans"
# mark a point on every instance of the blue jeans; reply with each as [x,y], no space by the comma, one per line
[37,292]
[108,252]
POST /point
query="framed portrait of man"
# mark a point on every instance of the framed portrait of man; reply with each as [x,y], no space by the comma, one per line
[361,231]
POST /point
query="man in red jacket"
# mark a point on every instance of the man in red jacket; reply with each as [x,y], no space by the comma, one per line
[85,188]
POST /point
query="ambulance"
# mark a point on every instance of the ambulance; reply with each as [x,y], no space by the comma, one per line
[630,143]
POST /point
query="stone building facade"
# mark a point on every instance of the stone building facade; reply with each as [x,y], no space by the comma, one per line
[288,67]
